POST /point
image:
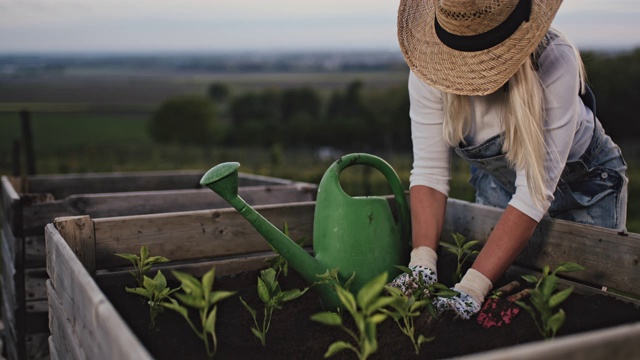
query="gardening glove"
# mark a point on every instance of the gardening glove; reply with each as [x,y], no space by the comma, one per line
[471,292]
[422,264]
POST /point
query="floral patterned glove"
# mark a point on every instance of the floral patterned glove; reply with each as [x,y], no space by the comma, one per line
[462,304]
[409,283]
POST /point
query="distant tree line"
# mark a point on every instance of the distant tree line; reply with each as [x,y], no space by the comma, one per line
[356,116]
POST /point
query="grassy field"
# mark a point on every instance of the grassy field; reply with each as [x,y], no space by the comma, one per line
[88,122]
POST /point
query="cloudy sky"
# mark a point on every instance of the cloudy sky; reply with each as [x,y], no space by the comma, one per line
[221,25]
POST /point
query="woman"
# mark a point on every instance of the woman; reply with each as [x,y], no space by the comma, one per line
[492,81]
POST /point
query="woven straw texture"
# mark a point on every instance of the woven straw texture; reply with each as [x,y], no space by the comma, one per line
[468,73]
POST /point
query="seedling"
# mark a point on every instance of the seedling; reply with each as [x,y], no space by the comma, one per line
[273,298]
[366,310]
[156,292]
[142,264]
[462,250]
[544,299]
[331,279]
[199,295]
[403,310]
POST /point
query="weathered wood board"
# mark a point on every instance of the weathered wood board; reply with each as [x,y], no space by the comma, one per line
[28,204]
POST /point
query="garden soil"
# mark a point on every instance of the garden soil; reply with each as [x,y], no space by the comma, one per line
[293,335]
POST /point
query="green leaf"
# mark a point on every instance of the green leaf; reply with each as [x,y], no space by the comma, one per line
[569,267]
[556,321]
[210,323]
[249,308]
[379,303]
[378,318]
[257,334]
[559,297]
[207,282]
[327,318]
[291,294]
[371,290]
[338,346]
[530,279]
[263,291]
[216,296]
[548,285]
[469,244]
[173,305]
[422,339]
[192,301]
[133,258]
[150,284]
[144,253]
[190,284]
[347,299]
[138,291]
[404,269]
[160,280]
[157,260]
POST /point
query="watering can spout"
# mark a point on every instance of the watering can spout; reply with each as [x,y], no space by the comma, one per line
[223,180]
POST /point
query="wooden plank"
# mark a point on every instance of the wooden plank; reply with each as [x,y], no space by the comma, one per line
[79,234]
[611,258]
[10,206]
[153,202]
[36,317]
[63,338]
[195,234]
[34,251]
[13,296]
[53,351]
[100,330]
[62,186]
[35,288]
[620,342]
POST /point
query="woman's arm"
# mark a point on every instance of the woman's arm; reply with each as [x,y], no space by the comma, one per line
[508,238]
[427,215]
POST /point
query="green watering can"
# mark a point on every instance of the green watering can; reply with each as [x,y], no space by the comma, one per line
[351,234]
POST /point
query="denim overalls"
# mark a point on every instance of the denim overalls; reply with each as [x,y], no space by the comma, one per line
[591,190]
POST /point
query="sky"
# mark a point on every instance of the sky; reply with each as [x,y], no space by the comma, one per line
[98,26]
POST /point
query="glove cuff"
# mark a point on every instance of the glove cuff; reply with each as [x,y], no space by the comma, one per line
[424,256]
[475,284]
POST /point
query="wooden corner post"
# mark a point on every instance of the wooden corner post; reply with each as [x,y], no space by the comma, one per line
[79,233]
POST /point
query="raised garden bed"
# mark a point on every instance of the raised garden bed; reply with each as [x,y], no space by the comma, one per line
[28,204]
[92,317]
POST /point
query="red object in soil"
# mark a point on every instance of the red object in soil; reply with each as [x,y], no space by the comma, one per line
[497,312]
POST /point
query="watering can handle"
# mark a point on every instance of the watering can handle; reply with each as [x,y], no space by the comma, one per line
[391,176]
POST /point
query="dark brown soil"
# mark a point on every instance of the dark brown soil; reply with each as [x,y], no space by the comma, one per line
[294,336]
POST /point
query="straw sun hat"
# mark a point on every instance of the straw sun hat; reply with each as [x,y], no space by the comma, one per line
[469,47]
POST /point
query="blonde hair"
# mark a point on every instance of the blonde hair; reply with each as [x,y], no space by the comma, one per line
[522,120]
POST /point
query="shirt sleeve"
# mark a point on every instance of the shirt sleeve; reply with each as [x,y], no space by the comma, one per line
[558,71]
[431,153]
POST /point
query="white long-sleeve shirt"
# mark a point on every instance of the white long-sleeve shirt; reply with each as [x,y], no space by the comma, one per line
[568,127]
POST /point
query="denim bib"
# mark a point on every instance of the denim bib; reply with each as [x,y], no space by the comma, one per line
[591,190]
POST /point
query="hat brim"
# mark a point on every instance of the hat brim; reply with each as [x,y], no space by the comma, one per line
[467,73]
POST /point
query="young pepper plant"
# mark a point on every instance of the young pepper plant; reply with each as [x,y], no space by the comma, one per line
[545,299]
[366,310]
[199,295]
[156,292]
[403,310]
[142,264]
[462,250]
[273,298]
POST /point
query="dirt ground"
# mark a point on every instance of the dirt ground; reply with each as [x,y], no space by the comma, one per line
[294,336]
